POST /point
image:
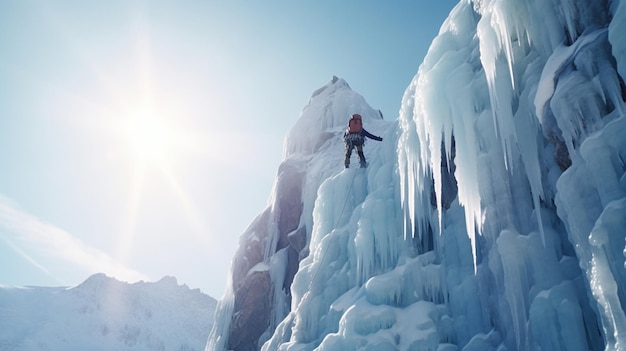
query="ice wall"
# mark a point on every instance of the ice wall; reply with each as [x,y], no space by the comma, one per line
[497,219]
[493,215]
[528,90]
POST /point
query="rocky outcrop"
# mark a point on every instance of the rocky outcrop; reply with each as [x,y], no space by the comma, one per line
[274,230]
[252,306]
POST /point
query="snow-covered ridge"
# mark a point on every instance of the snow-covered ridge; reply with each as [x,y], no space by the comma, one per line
[105,314]
[325,116]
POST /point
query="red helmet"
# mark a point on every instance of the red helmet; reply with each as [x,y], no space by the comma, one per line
[356,116]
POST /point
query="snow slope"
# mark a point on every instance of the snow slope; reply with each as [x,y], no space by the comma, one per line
[105,314]
[493,214]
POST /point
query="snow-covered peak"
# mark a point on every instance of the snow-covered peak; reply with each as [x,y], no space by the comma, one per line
[95,280]
[168,281]
[259,294]
[326,114]
[105,314]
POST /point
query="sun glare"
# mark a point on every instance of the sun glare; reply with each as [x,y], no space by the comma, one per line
[157,143]
[152,138]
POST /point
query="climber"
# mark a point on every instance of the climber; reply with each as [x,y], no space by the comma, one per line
[355,137]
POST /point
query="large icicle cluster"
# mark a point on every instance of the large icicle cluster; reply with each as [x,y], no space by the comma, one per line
[529,96]
[493,214]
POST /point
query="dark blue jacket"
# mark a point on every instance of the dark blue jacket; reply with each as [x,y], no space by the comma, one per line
[365,133]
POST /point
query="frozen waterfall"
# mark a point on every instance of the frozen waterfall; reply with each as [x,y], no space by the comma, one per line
[493,215]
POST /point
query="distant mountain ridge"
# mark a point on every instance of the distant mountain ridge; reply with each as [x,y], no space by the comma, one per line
[103,313]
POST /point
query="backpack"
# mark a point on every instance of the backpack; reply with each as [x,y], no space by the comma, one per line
[355,124]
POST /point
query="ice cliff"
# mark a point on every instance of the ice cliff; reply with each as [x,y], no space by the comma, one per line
[492,217]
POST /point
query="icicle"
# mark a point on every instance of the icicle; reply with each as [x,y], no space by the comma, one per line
[218,338]
[604,280]
[617,37]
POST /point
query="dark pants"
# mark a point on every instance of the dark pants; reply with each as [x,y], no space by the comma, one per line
[352,143]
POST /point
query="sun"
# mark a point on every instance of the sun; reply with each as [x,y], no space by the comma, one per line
[152,138]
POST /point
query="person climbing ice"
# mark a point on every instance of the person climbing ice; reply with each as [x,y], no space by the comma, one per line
[354,137]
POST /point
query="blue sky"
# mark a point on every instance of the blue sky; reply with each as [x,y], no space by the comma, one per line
[141,138]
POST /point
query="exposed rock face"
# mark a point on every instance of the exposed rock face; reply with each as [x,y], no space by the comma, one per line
[252,306]
[289,201]
[297,239]
[252,282]
[250,251]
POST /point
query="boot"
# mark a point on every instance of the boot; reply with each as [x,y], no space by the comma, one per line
[347,162]
[362,159]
